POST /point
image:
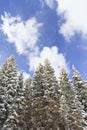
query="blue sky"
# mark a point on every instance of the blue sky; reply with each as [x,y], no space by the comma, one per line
[33,30]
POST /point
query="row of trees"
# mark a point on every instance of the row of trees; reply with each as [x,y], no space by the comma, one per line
[42,102]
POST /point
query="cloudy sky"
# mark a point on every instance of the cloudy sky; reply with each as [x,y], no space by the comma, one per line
[33,30]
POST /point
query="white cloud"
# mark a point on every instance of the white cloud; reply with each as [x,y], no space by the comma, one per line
[56,59]
[24,34]
[74,12]
[50,3]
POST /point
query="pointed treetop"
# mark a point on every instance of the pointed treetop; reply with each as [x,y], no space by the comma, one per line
[39,67]
[76,73]
[48,67]
[47,62]
[64,74]
[11,61]
[11,57]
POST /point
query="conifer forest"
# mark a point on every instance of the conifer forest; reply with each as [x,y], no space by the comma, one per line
[43,102]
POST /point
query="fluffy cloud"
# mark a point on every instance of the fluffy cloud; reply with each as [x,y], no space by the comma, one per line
[74,12]
[24,34]
[56,59]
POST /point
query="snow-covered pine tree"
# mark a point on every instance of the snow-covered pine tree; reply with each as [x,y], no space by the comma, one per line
[25,109]
[28,88]
[80,88]
[20,90]
[3,111]
[80,92]
[10,86]
[50,82]
[37,86]
[44,88]
[66,98]
[19,99]
[70,108]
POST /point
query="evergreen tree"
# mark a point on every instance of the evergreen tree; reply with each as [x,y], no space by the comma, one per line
[80,88]
[28,88]
[80,91]
[45,90]
[45,82]
[42,103]
[50,82]
[3,110]
[70,107]
[25,104]
[19,99]
[37,87]
[25,109]
[20,90]
[10,86]
[66,98]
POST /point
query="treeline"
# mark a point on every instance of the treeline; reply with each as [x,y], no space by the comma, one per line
[42,102]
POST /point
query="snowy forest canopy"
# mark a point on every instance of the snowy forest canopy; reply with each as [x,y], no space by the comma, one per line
[42,102]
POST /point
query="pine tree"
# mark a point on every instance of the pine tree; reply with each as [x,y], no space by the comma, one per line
[20,90]
[25,109]
[70,108]
[66,98]
[80,88]
[37,87]
[45,90]
[50,81]
[10,86]
[42,103]
[80,92]
[3,110]
[28,88]
[44,82]
[20,98]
